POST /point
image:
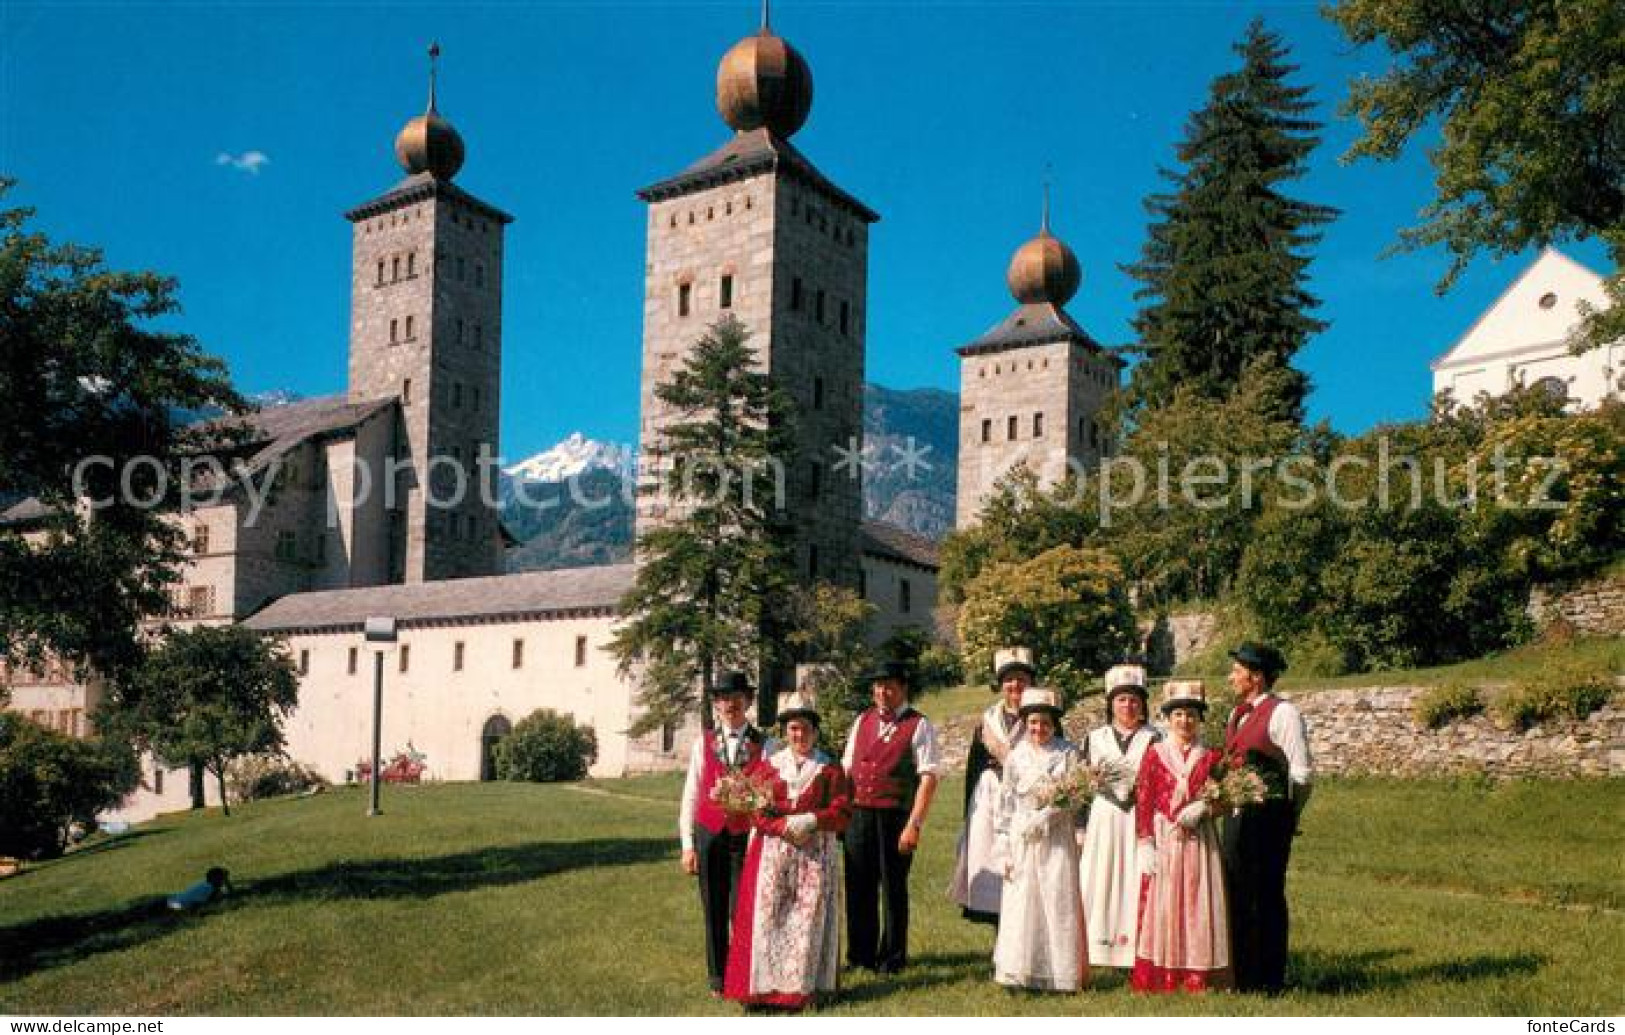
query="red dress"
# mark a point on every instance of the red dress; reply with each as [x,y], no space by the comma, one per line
[786,934]
[1184,929]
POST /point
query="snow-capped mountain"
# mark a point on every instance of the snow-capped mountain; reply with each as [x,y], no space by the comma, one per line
[570,458]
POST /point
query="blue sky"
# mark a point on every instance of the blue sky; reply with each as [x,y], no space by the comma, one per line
[941,116]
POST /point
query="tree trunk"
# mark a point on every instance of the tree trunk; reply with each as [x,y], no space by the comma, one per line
[220,776]
[196,774]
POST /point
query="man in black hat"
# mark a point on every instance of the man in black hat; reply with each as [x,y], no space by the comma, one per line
[713,841]
[891,759]
[1268,734]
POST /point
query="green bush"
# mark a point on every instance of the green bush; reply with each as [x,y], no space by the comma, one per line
[1442,704]
[50,782]
[256,777]
[546,747]
[1570,690]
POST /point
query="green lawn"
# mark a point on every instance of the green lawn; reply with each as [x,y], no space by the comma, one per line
[516,899]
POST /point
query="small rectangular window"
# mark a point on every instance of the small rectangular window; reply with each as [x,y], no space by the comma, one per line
[905,596]
[394,331]
[812,560]
[409,333]
[411,264]
[457,656]
[684,293]
[818,393]
[406,392]
[456,396]
[1038,425]
[287,545]
[1012,429]
[200,539]
[519,654]
[479,274]
[479,336]
[461,337]
[157,780]
[380,272]
[355,657]
[795,294]
[406,657]
[818,313]
[304,663]
[725,293]
[395,268]
[581,651]
[817,483]
[987,431]
[846,313]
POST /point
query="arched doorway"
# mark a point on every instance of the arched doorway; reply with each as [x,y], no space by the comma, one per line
[496,727]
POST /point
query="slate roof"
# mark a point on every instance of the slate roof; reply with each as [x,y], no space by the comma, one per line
[746,155]
[1031,324]
[894,544]
[537,594]
[421,187]
[278,430]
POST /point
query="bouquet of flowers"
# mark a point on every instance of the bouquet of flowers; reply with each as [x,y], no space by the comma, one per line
[1238,787]
[743,794]
[1075,787]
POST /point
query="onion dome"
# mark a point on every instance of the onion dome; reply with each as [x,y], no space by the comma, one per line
[764,82]
[428,143]
[1044,269]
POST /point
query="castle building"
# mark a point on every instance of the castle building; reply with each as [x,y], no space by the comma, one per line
[755,231]
[348,506]
[1031,387]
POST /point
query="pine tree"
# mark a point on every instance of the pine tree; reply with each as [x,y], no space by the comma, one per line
[714,574]
[1224,266]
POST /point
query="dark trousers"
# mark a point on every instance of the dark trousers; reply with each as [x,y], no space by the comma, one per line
[876,869]
[1257,844]
[721,857]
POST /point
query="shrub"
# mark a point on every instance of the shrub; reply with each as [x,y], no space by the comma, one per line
[545,747]
[49,783]
[1442,704]
[1565,690]
[256,777]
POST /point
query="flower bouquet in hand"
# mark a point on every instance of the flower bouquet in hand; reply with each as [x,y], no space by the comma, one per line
[1238,788]
[743,794]
[1072,790]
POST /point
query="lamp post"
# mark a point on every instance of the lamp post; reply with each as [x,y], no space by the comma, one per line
[379,630]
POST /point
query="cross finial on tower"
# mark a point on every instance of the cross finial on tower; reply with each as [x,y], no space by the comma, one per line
[434,57]
[1043,222]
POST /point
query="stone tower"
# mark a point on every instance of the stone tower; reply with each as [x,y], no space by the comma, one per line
[755,230]
[426,328]
[1030,388]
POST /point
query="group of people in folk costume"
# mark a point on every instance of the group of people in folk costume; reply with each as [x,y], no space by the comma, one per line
[1141,879]
[1144,884]
[769,880]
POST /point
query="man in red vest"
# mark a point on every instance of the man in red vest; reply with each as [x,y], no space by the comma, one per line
[891,759]
[713,841]
[1268,734]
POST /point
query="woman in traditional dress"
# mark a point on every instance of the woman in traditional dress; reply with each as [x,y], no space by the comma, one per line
[1184,936]
[978,877]
[1041,938]
[1109,872]
[786,934]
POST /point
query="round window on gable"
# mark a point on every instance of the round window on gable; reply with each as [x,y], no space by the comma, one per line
[1548,300]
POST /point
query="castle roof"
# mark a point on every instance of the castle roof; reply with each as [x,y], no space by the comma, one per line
[570,592]
[748,154]
[1034,323]
[278,430]
[888,542]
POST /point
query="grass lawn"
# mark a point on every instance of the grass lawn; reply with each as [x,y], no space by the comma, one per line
[517,899]
[1503,667]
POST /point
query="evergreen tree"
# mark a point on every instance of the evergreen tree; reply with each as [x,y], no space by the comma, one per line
[715,572]
[1222,271]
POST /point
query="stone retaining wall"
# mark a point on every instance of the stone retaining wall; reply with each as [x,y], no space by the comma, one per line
[1369,731]
[1596,607]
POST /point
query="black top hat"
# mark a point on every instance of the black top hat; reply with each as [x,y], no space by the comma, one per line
[1260,657]
[732,682]
[891,669]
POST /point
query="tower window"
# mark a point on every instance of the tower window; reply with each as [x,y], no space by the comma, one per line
[200,539]
[350,666]
[725,293]
[846,313]
[728,209]
[795,294]
[287,545]
[817,483]
[395,268]
[691,217]
[684,293]
[674,220]
[380,272]
[406,657]
[1011,431]
[581,651]
[304,663]
[818,393]
[394,331]
[905,596]
[818,311]
[409,334]
[411,264]
[1038,425]
[987,431]
[479,274]
[519,654]
[475,402]
[461,337]
[406,392]
[479,336]
[812,560]
[457,656]
[710,212]
[456,396]
[747,201]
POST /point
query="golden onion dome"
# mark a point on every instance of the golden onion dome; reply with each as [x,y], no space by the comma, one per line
[429,143]
[763,81]
[1044,270]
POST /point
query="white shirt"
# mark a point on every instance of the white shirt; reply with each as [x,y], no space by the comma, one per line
[696,762]
[1290,733]
[924,743]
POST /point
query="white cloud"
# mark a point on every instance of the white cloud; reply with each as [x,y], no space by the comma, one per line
[248,161]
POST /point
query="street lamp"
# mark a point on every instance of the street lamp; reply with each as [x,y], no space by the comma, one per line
[379,630]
